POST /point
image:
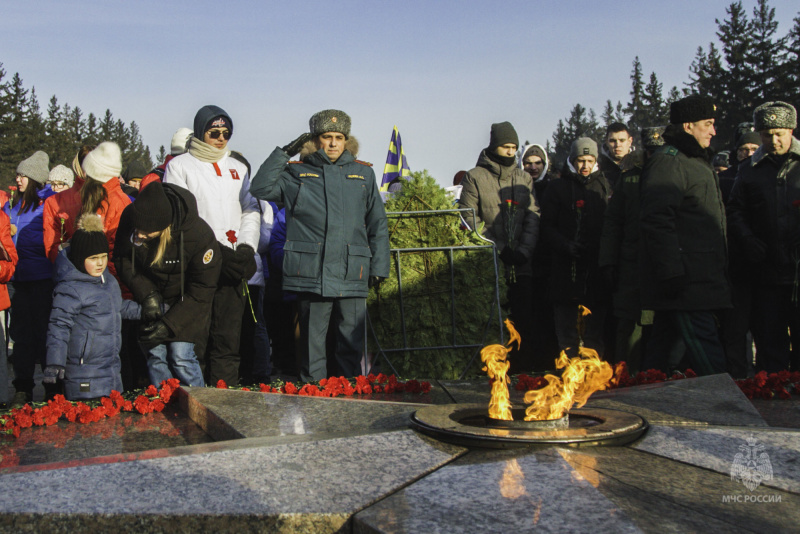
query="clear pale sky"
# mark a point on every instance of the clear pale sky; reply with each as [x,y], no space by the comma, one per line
[442,71]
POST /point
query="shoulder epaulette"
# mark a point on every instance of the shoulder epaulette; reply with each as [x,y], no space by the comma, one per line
[669,150]
[368,164]
[295,161]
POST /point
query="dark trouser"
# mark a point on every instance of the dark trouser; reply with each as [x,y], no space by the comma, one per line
[520,300]
[133,362]
[255,365]
[629,343]
[349,315]
[222,351]
[30,315]
[543,342]
[566,320]
[697,330]
[776,328]
[734,323]
[5,396]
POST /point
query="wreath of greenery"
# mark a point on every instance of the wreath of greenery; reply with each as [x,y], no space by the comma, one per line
[440,309]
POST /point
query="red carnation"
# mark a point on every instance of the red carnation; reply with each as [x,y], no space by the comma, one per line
[151,391]
[221,384]
[580,203]
[231,236]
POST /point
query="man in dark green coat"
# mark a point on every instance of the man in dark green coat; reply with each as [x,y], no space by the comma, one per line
[683,276]
[337,242]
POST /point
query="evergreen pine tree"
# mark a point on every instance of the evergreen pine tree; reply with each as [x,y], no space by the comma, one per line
[735,100]
[653,101]
[791,67]
[162,155]
[766,56]
[636,108]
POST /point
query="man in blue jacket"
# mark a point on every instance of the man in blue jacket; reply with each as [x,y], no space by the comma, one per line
[337,242]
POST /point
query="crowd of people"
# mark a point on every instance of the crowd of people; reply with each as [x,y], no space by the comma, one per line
[658,256]
[120,279]
[662,257]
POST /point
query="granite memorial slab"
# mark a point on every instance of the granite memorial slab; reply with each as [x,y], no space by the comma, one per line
[683,495]
[230,414]
[717,449]
[299,487]
[708,400]
[498,491]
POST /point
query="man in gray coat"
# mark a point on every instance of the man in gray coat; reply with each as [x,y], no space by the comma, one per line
[337,241]
[683,276]
[503,198]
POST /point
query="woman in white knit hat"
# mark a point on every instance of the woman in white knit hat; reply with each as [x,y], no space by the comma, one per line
[101,192]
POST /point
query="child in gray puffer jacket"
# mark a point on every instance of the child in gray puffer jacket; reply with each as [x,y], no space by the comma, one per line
[84,336]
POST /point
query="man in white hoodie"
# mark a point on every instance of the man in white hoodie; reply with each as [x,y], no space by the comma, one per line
[221,185]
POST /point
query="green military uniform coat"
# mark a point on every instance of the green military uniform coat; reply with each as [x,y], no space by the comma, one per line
[336,231]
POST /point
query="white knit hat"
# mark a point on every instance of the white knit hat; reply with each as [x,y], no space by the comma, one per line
[104,162]
[180,141]
[63,175]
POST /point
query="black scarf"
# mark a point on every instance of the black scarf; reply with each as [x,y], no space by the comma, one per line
[677,137]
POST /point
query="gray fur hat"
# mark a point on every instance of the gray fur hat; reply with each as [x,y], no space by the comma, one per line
[775,115]
[653,136]
[35,167]
[329,120]
[583,146]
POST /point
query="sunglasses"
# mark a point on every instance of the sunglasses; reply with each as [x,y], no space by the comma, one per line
[214,134]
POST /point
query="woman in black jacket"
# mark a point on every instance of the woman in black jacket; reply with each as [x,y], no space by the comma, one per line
[169,258]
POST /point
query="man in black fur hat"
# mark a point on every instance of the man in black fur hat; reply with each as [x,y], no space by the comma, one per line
[683,238]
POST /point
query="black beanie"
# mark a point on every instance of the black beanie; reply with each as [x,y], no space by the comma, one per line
[502,133]
[135,171]
[206,117]
[152,211]
[693,108]
[88,240]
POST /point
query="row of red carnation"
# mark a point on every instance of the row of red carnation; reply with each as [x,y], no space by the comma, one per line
[155,399]
[762,386]
[335,386]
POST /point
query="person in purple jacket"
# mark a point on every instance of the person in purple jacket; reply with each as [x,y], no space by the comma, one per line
[32,283]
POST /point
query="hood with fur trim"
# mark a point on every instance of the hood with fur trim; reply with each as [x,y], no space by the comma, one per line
[546,159]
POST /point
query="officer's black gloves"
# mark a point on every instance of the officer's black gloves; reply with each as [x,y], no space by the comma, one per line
[293,148]
[53,373]
[375,281]
[238,264]
[154,334]
[152,307]
[507,256]
[245,257]
[575,249]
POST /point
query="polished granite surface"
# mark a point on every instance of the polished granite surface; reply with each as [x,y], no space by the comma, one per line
[230,414]
[308,464]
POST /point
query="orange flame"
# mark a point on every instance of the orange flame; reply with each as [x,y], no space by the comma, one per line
[494,356]
[582,376]
[512,485]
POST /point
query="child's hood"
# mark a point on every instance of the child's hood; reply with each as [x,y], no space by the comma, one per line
[65,271]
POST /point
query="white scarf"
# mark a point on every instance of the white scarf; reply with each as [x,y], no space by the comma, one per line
[205,152]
